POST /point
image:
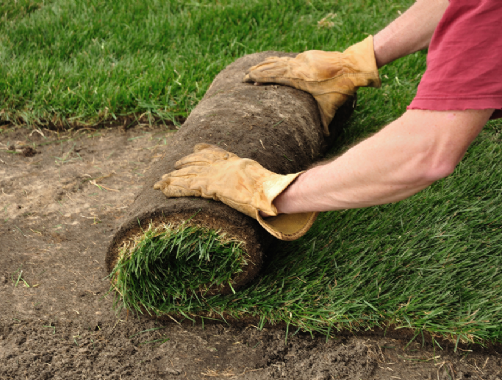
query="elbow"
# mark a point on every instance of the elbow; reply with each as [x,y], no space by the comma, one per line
[436,171]
[434,164]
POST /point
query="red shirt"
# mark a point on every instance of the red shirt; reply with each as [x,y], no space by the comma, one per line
[464,63]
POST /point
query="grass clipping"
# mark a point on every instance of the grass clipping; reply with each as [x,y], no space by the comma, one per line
[168,266]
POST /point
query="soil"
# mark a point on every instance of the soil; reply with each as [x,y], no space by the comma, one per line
[60,202]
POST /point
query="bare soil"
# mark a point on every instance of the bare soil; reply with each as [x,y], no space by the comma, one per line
[61,199]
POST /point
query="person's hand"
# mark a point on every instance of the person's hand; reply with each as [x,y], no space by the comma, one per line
[241,183]
[331,77]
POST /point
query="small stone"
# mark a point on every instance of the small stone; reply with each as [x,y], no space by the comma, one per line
[172,371]
[28,151]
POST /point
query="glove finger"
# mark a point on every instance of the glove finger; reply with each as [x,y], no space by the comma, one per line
[185,175]
[205,154]
[271,75]
[196,159]
[291,82]
[204,146]
[328,104]
[273,58]
[203,158]
[268,61]
[254,73]
[174,191]
[268,68]
[176,187]
[188,172]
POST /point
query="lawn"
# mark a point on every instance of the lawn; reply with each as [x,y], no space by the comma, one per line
[69,63]
[430,262]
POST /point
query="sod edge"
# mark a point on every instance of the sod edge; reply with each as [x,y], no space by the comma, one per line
[168,266]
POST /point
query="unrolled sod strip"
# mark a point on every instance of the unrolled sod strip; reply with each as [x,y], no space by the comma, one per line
[277,126]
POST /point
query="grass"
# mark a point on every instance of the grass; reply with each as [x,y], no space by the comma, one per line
[429,263]
[18,9]
[80,62]
[195,261]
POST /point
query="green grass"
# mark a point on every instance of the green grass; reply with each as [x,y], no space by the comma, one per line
[168,267]
[81,62]
[432,262]
[429,263]
[18,9]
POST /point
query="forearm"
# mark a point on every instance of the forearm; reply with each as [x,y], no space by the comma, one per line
[410,32]
[397,162]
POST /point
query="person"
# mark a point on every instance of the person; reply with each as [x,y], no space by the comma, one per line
[460,91]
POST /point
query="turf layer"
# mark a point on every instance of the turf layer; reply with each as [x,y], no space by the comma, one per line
[168,266]
[430,263]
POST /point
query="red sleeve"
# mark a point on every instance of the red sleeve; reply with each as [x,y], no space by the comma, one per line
[464,63]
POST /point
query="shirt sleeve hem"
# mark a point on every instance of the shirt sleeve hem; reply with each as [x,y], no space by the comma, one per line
[439,103]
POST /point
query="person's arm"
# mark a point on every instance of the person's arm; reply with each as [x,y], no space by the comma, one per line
[410,32]
[400,160]
[333,77]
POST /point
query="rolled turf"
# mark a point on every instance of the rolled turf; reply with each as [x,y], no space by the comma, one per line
[167,265]
[204,247]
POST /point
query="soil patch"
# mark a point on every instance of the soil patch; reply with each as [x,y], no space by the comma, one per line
[59,210]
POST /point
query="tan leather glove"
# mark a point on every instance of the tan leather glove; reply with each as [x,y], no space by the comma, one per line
[331,77]
[241,183]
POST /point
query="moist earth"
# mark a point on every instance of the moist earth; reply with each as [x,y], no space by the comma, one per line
[62,196]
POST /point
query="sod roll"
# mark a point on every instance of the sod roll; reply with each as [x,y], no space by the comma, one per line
[184,249]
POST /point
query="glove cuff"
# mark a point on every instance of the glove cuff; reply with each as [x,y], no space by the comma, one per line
[270,189]
[363,55]
[283,226]
[288,226]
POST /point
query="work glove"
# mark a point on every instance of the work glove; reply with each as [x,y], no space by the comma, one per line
[331,77]
[241,183]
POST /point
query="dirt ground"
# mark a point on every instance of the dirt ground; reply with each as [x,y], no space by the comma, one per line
[61,198]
